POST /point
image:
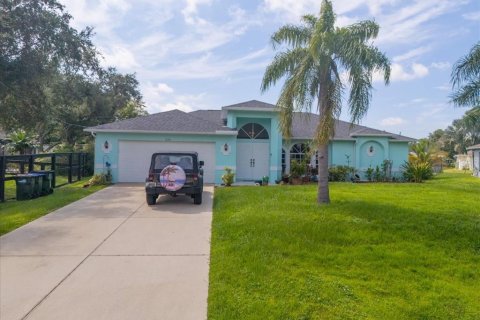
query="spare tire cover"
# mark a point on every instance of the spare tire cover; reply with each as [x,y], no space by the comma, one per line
[172,177]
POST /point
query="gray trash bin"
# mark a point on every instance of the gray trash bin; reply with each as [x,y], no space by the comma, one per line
[46,187]
[25,186]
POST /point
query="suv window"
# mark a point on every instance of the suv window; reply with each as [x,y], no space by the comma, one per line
[182,160]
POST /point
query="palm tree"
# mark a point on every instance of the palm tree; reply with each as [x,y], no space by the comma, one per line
[466,79]
[318,56]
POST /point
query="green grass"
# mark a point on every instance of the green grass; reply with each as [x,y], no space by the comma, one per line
[379,251]
[14,214]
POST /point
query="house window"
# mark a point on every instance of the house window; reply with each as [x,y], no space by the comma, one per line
[298,152]
[252,131]
[284,161]
[370,151]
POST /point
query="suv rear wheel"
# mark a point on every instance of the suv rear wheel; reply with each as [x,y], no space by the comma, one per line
[197,198]
[151,199]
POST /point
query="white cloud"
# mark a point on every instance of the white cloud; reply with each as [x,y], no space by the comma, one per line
[120,57]
[441,65]
[165,88]
[444,87]
[414,53]
[399,73]
[475,16]
[209,66]
[190,12]
[294,9]
[186,103]
[392,121]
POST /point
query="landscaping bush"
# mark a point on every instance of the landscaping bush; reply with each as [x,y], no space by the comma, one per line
[417,171]
[297,168]
[228,177]
[340,173]
[100,179]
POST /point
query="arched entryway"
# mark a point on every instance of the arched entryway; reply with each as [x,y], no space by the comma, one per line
[253,150]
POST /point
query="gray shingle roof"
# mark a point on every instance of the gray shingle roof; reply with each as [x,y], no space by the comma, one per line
[251,104]
[169,121]
[209,121]
[304,125]
[209,115]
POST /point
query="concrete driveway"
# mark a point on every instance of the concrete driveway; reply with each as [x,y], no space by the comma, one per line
[110,256]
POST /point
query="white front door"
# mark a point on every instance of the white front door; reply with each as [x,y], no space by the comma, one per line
[253,159]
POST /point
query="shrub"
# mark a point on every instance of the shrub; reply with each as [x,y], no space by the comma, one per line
[297,168]
[99,179]
[417,171]
[369,173]
[339,173]
[228,176]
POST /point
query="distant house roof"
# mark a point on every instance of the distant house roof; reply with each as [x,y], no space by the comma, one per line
[213,121]
[474,147]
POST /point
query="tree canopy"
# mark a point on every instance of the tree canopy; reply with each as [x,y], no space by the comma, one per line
[51,81]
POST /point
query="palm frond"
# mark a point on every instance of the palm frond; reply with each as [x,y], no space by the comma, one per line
[291,35]
[360,94]
[467,68]
[283,64]
[361,31]
[309,20]
[468,95]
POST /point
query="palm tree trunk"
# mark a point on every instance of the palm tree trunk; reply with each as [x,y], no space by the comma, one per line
[323,194]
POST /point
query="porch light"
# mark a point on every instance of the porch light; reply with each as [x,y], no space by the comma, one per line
[105,145]
[225,147]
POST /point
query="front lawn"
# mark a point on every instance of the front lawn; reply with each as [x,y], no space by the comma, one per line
[379,251]
[14,214]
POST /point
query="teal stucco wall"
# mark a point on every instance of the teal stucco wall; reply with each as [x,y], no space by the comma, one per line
[113,139]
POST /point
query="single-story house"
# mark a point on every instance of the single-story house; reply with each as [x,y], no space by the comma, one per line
[475,150]
[243,136]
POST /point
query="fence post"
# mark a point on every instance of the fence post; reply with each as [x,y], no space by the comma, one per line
[70,156]
[30,163]
[84,163]
[52,168]
[79,167]
[2,178]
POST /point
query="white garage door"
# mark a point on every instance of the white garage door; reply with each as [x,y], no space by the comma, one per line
[134,158]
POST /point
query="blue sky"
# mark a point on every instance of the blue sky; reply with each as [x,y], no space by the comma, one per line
[204,54]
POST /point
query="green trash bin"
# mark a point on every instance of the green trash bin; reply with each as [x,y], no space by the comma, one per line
[46,181]
[25,186]
[38,183]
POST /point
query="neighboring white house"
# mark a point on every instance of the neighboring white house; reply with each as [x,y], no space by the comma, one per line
[464,161]
[475,150]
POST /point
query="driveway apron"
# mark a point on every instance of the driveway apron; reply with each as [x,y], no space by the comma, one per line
[110,256]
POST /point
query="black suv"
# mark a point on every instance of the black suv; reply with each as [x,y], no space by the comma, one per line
[175,173]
